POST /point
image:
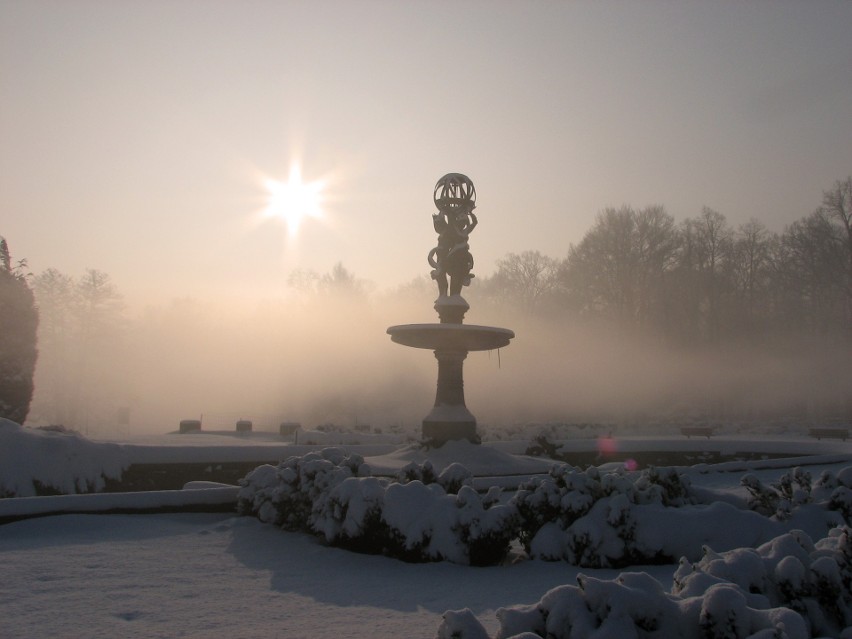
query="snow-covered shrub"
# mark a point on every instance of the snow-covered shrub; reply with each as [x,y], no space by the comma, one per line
[285,495]
[590,519]
[634,605]
[452,478]
[795,486]
[561,497]
[795,491]
[350,515]
[787,588]
[461,624]
[485,527]
[425,523]
[603,538]
[762,498]
[841,501]
[790,571]
[663,486]
[840,488]
[421,472]
[827,480]
[322,493]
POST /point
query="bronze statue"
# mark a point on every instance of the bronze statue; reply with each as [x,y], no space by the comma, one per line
[451,260]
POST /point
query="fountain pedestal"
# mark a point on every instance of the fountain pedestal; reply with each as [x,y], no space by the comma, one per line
[450,418]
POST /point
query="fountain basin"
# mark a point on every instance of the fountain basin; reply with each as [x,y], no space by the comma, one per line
[451,337]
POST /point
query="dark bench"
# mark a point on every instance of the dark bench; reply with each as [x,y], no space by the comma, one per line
[698,431]
[829,433]
[190,425]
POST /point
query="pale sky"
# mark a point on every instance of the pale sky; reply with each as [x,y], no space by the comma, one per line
[135,135]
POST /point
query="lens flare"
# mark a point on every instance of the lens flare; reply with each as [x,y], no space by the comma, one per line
[607,446]
[294,200]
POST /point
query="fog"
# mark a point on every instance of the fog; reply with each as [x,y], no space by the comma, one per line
[318,358]
[581,372]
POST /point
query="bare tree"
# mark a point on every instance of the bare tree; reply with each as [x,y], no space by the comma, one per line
[810,269]
[656,248]
[341,282]
[81,373]
[54,293]
[338,283]
[837,207]
[619,268]
[526,280]
[750,272]
[706,247]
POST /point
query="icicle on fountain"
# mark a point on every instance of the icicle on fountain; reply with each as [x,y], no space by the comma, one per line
[451,340]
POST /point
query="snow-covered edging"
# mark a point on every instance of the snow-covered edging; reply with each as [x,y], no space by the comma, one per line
[57,461]
[787,588]
[197,499]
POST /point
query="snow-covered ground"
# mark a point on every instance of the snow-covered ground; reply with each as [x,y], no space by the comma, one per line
[218,575]
[221,576]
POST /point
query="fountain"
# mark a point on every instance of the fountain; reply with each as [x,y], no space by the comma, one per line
[451,339]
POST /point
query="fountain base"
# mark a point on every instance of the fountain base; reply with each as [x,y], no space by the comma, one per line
[448,423]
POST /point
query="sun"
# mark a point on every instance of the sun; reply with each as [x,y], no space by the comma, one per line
[294,200]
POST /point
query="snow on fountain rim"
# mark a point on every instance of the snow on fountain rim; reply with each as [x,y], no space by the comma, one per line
[469,337]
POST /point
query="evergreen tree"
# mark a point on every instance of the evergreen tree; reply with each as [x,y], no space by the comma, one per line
[18,325]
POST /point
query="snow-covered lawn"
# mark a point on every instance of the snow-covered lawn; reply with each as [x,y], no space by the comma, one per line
[219,575]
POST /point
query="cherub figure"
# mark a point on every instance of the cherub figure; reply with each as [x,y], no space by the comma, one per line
[451,260]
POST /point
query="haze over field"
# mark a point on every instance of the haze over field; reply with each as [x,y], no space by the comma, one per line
[216,159]
[311,364]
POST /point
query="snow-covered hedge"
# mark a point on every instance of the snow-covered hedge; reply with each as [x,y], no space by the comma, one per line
[417,517]
[53,461]
[615,519]
[815,580]
[787,588]
[795,495]
[585,517]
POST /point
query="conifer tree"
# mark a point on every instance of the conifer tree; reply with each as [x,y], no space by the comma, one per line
[18,348]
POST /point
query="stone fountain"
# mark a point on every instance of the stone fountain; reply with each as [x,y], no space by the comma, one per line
[451,339]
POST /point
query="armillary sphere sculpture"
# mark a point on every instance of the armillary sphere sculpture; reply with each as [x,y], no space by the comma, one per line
[455,198]
[451,340]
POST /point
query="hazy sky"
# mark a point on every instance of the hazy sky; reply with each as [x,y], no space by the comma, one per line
[135,135]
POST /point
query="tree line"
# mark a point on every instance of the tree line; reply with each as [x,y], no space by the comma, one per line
[699,281]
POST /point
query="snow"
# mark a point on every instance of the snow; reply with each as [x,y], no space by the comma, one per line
[65,461]
[219,575]
[139,501]
[205,575]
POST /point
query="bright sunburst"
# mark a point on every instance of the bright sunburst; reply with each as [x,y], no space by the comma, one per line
[294,200]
